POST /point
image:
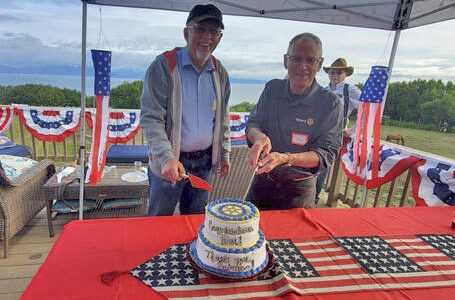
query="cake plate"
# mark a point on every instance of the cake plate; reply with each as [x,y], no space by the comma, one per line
[226,277]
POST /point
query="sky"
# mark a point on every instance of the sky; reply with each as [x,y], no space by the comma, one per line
[48,32]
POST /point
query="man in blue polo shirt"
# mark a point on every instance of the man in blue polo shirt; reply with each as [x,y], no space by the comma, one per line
[185,116]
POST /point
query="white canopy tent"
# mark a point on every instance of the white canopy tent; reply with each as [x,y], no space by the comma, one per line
[394,15]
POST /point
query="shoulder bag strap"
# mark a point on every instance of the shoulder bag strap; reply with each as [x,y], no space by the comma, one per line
[346,104]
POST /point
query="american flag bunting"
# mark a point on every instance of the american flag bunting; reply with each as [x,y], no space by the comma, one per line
[368,127]
[98,151]
[321,265]
[6,117]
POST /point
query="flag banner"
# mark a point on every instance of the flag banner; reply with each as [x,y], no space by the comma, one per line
[313,266]
[98,151]
[6,117]
[238,122]
[123,124]
[368,126]
[392,162]
[433,183]
[50,124]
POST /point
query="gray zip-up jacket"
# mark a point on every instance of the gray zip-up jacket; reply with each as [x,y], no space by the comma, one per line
[161,111]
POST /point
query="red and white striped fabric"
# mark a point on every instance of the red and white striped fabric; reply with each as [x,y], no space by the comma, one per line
[98,150]
[123,124]
[368,126]
[315,266]
[6,117]
[51,124]
[238,121]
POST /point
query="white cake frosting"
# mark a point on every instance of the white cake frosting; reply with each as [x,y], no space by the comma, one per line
[231,234]
[230,242]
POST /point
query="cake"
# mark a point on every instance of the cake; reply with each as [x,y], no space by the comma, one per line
[229,242]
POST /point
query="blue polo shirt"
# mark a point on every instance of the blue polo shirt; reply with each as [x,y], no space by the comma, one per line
[199,99]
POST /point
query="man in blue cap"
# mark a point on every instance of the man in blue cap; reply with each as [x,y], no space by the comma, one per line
[185,116]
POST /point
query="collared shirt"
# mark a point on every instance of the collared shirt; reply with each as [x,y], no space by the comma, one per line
[198,94]
[354,95]
[298,123]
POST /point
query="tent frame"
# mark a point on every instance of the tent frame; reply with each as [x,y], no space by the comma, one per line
[401,20]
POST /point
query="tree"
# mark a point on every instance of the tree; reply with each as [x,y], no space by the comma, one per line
[440,110]
[242,107]
[33,94]
[71,97]
[127,95]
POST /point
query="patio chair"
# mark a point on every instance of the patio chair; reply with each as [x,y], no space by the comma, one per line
[22,198]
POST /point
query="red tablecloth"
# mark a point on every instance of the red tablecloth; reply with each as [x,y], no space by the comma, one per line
[88,248]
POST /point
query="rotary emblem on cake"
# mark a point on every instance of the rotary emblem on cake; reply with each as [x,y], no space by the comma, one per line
[230,243]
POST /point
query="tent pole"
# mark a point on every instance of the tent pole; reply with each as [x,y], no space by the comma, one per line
[390,67]
[82,128]
[394,51]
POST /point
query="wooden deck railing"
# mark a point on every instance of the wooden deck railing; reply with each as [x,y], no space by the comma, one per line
[340,190]
[61,152]
[344,192]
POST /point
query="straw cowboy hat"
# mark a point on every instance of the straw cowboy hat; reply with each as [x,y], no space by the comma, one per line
[340,64]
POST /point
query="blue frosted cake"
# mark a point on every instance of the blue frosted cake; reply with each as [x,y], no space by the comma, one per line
[230,243]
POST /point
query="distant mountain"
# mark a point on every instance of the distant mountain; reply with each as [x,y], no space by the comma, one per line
[76,71]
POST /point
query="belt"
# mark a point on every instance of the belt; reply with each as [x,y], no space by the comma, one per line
[196,154]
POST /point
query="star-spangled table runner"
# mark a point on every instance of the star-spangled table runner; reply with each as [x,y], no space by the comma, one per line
[314,266]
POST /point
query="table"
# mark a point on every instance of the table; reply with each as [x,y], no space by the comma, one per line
[88,248]
[110,187]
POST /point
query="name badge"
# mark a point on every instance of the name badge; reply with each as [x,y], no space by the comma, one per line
[299,138]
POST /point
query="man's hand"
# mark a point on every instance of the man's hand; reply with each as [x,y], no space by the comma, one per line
[173,169]
[271,161]
[347,132]
[260,147]
[225,168]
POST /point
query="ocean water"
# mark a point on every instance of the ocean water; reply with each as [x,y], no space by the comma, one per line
[239,91]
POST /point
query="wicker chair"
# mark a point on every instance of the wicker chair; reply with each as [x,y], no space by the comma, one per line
[236,183]
[22,198]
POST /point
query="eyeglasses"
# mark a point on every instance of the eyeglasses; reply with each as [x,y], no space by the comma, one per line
[202,30]
[335,72]
[310,61]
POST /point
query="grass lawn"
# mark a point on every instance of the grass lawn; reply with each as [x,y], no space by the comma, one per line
[429,141]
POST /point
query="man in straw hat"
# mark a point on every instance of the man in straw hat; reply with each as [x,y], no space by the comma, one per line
[295,131]
[338,72]
[185,116]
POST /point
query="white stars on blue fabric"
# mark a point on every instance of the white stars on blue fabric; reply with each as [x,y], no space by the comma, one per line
[375,86]
[376,256]
[288,260]
[169,268]
[123,124]
[43,122]
[102,64]
[443,242]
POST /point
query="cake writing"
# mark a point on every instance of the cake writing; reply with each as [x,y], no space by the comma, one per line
[238,264]
[231,241]
[229,230]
